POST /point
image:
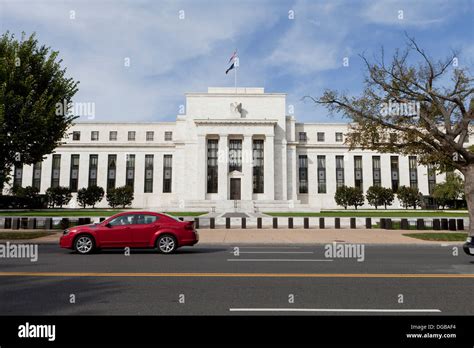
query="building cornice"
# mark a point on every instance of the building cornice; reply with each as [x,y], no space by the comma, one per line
[239,121]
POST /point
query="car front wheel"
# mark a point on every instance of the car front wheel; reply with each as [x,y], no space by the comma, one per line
[84,244]
[166,244]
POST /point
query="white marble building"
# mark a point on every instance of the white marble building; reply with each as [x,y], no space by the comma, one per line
[231,150]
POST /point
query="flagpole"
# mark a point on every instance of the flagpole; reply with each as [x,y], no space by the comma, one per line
[235,79]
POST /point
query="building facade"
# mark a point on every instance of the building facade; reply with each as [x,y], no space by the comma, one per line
[233,149]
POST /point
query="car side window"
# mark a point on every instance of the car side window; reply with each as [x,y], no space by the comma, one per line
[122,220]
[142,219]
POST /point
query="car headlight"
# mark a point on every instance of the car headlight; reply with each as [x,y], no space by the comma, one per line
[66,231]
[469,239]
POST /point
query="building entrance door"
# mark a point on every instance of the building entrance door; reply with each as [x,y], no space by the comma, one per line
[235,189]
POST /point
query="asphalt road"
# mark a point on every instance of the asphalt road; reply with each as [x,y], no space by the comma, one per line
[260,280]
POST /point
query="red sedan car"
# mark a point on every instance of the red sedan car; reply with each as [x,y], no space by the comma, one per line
[131,229]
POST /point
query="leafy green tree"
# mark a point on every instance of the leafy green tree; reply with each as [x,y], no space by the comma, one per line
[82,197]
[409,196]
[90,196]
[120,196]
[356,197]
[448,191]
[342,196]
[32,84]
[95,195]
[387,196]
[378,196]
[413,108]
[58,196]
[373,196]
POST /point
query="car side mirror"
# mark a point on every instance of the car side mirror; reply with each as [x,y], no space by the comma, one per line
[108,225]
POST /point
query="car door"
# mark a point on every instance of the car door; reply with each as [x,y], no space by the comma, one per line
[117,232]
[143,229]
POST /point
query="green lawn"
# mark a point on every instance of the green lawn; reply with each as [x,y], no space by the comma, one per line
[23,235]
[441,237]
[375,213]
[80,213]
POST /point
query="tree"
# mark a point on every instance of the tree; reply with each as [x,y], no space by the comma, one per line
[387,196]
[58,196]
[373,195]
[82,197]
[409,196]
[356,197]
[90,196]
[411,109]
[378,195]
[32,85]
[95,195]
[448,191]
[342,196]
[120,196]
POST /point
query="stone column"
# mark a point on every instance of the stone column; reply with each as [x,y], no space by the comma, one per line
[201,166]
[223,169]
[292,163]
[269,161]
[247,171]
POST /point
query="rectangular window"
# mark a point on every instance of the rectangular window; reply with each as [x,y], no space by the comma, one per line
[394,169]
[76,136]
[303,173]
[168,136]
[18,177]
[37,175]
[235,155]
[150,136]
[167,172]
[148,173]
[431,178]
[302,137]
[321,174]
[74,173]
[93,165]
[130,174]
[413,169]
[131,135]
[111,171]
[339,171]
[55,170]
[320,136]
[212,165]
[113,135]
[339,137]
[376,171]
[358,182]
[95,135]
[258,160]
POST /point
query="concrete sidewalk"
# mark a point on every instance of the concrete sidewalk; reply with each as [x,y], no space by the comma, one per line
[282,236]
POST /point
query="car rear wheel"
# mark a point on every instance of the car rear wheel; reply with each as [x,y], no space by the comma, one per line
[84,244]
[166,244]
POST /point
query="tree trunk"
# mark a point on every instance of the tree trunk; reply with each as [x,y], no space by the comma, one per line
[469,191]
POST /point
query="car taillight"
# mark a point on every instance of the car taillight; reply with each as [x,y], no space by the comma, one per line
[189,226]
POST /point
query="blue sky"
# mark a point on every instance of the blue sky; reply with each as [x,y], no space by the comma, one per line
[170,56]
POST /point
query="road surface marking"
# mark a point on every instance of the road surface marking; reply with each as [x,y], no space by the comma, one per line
[351,310]
[274,252]
[283,260]
[233,275]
